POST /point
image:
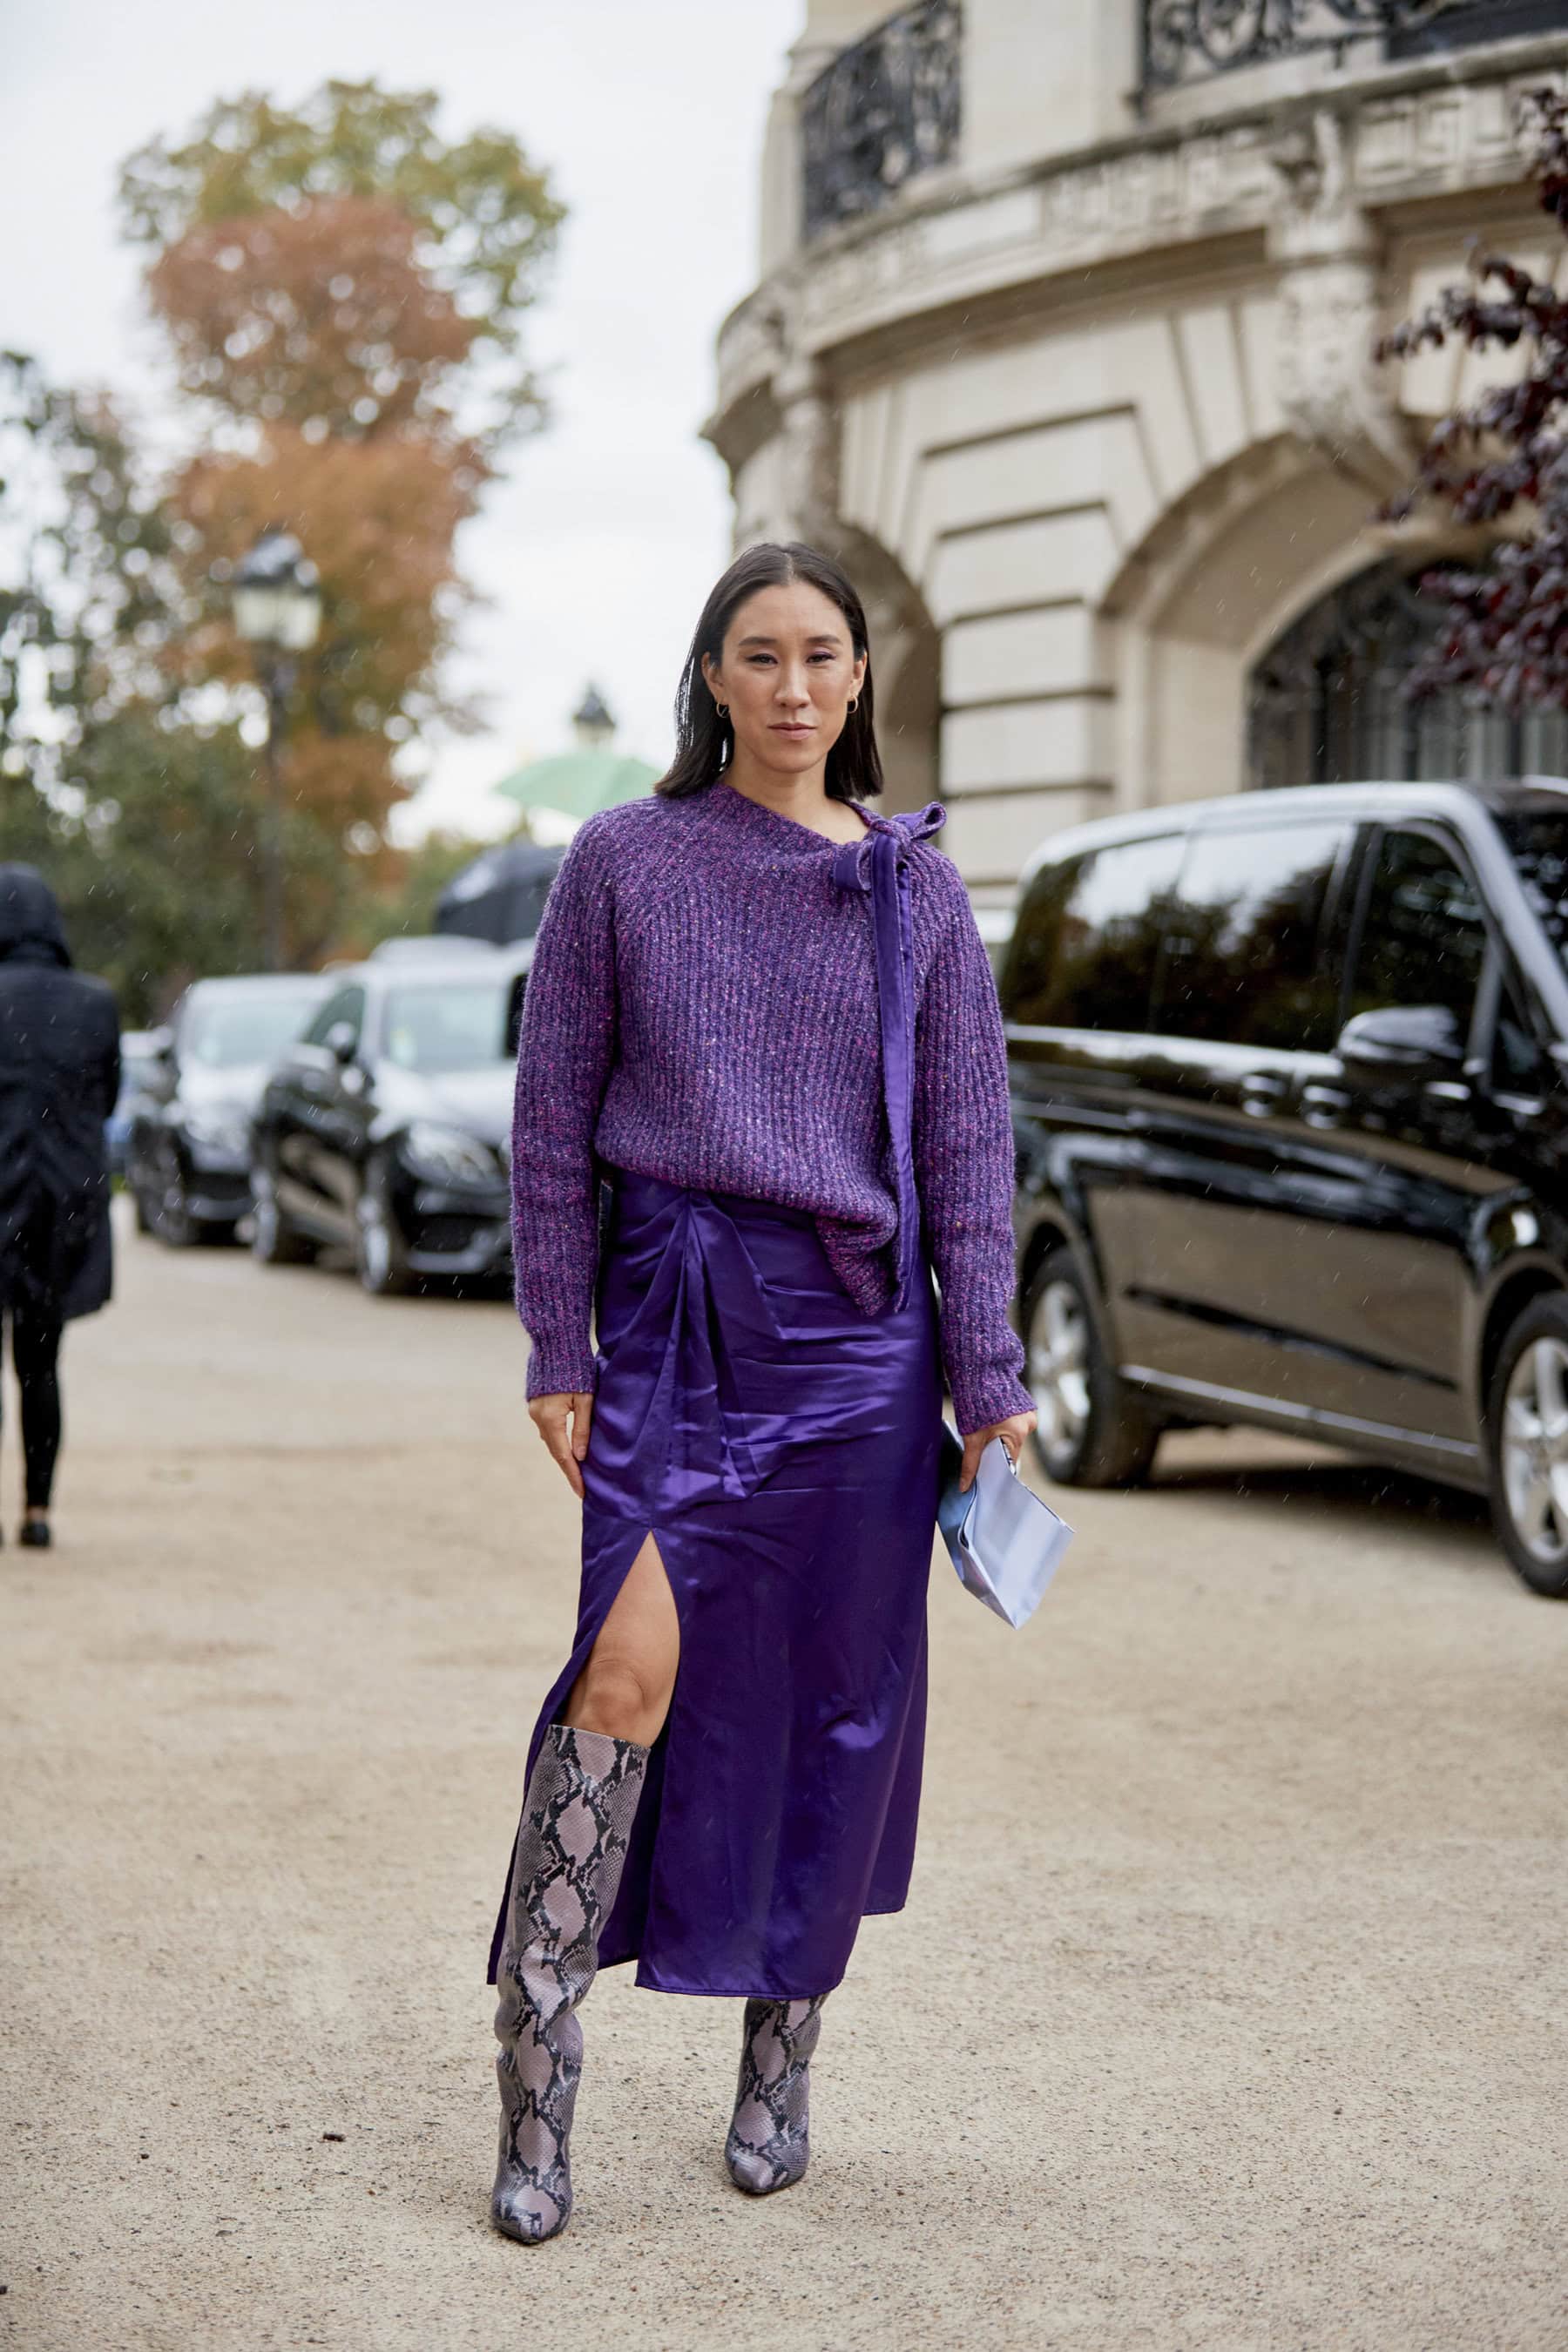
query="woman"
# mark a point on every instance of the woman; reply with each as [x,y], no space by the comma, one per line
[59,1074]
[759,1053]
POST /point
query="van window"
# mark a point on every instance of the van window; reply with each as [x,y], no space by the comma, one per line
[1539,847]
[1422,935]
[1088,937]
[1519,1062]
[1245,961]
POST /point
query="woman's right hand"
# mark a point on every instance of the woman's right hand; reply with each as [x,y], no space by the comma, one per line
[563,1422]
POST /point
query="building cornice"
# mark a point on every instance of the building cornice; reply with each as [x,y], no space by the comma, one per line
[1412,136]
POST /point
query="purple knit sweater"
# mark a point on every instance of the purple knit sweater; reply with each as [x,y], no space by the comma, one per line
[702,1008]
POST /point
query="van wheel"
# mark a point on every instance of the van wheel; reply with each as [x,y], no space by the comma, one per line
[1527,1427]
[1092,1431]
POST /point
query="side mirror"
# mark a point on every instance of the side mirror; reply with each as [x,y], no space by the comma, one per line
[342,1042]
[1400,1045]
[160,1046]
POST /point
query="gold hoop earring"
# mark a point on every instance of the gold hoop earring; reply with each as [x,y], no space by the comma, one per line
[854,705]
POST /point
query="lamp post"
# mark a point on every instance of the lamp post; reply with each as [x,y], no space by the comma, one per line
[278,611]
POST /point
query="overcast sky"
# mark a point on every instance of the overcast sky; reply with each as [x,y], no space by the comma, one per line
[597,549]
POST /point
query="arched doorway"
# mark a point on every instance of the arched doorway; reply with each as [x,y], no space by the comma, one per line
[906,656]
[1326,704]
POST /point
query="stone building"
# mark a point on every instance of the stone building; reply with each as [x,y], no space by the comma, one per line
[1062,337]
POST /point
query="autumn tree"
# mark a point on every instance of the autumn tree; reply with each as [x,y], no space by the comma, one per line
[344,292]
[1502,464]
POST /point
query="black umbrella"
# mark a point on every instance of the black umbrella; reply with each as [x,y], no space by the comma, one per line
[501,896]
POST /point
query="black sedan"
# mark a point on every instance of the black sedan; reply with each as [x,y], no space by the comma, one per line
[187,1152]
[386,1129]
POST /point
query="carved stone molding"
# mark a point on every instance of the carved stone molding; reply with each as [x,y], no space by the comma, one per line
[1333,394]
[1401,142]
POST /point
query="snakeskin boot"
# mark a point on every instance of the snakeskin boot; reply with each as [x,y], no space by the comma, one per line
[769,2143]
[576,1820]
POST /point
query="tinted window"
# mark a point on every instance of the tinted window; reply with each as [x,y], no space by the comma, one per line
[1423,938]
[1520,1065]
[1246,960]
[345,1005]
[447,1025]
[1539,847]
[226,1029]
[1084,952]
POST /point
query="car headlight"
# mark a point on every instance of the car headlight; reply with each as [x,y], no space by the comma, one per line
[219,1128]
[445,1155]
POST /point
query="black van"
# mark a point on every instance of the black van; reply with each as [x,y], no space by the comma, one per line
[1289,1077]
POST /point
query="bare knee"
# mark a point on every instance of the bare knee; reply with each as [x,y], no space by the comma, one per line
[619,1695]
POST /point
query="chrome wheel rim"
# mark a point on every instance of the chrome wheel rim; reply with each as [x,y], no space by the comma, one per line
[1059,1370]
[264,1216]
[1535,1451]
[374,1246]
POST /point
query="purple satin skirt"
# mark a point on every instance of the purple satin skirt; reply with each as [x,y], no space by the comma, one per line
[782,1447]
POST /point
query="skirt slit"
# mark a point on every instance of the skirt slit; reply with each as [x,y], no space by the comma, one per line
[781,1448]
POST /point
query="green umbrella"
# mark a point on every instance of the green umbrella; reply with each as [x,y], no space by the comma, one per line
[580,782]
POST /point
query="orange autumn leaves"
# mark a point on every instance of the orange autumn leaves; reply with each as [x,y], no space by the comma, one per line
[332,359]
[341,289]
[320,315]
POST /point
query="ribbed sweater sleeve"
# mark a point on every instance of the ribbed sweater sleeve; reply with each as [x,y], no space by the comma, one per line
[563,1059]
[963,1168]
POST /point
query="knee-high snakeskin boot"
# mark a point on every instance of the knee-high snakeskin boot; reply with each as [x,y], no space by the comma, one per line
[769,2143]
[576,1821]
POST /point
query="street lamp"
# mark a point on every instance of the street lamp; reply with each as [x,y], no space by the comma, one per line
[278,611]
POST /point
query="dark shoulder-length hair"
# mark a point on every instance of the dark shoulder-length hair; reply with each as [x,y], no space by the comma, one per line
[704,743]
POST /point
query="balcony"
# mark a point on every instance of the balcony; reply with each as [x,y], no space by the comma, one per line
[1187,41]
[886,109]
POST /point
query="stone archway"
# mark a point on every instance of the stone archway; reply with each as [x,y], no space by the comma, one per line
[1327,700]
[1221,579]
[905,664]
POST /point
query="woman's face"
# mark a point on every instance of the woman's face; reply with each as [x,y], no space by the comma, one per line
[787,671]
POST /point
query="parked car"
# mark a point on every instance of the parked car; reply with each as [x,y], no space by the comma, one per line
[994,925]
[141,1068]
[428,947]
[187,1154]
[1289,1076]
[387,1129]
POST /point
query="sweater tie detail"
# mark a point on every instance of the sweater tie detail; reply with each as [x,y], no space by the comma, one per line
[877,866]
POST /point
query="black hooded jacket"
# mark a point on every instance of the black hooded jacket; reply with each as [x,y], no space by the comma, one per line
[59,1074]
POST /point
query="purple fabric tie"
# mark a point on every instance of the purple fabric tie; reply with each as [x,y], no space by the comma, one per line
[877,866]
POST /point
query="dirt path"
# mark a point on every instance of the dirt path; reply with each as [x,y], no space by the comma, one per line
[1226,2012]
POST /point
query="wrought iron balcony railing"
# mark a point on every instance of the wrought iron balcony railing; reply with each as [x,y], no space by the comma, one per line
[885,110]
[1189,40]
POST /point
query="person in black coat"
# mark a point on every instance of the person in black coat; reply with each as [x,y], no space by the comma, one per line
[59,1075]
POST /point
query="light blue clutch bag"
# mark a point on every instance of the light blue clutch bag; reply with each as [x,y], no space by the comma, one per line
[1004,1542]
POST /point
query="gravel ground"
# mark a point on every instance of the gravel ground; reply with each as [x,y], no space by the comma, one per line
[1226,2010]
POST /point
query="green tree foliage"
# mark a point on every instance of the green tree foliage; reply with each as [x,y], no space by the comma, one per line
[408,910]
[92,593]
[139,811]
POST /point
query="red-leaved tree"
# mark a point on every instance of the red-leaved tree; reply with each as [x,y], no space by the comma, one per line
[1503,462]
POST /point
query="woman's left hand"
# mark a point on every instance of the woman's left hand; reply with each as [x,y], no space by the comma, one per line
[1012,1432]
